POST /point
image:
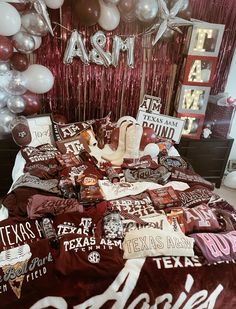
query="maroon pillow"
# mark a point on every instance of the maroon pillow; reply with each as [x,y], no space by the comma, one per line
[164,197]
[45,153]
[72,145]
[200,219]
[69,130]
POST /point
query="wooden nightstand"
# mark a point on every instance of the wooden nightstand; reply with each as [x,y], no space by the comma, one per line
[208,156]
[8,152]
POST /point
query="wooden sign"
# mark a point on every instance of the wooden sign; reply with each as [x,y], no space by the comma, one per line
[164,126]
[151,104]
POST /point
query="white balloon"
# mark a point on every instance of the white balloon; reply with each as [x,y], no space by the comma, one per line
[126,118]
[38,78]
[54,4]
[10,20]
[109,16]
[151,149]
[37,41]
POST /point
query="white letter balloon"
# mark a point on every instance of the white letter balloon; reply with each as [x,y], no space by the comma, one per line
[54,4]
[151,149]
[109,17]
[10,20]
[38,78]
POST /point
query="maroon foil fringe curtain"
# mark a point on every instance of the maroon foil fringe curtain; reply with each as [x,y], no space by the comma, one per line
[91,91]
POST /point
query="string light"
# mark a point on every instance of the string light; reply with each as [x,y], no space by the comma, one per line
[191,99]
[202,34]
[195,74]
[188,124]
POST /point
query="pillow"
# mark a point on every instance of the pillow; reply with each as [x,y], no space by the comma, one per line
[42,153]
[225,218]
[69,130]
[194,196]
[200,219]
[172,161]
[154,242]
[157,175]
[40,127]
[103,128]
[164,197]
[72,145]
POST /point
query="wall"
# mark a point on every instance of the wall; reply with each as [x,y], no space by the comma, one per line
[231,89]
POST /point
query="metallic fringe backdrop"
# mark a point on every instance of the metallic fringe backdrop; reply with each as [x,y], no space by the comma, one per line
[85,92]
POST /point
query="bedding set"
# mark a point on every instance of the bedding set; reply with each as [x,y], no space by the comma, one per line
[79,231]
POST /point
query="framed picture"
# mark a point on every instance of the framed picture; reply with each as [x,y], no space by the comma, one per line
[41,130]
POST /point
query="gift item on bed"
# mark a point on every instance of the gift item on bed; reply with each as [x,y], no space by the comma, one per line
[76,237]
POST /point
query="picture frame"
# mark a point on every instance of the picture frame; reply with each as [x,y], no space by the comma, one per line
[41,129]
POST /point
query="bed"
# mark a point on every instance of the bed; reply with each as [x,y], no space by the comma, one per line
[137,244]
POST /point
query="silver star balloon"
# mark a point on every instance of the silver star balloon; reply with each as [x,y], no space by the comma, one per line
[168,20]
[41,8]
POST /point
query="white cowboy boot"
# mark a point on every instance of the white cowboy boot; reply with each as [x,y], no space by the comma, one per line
[133,138]
[121,144]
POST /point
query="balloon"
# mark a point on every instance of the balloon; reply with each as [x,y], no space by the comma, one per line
[112,1]
[151,150]
[97,54]
[6,117]
[54,4]
[23,42]
[87,11]
[186,13]
[126,6]
[19,62]
[110,16]
[16,104]
[167,35]
[21,7]
[146,10]
[126,118]
[16,83]
[41,8]
[4,67]
[148,137]
[34,24]
[3,98]
[120,45]
[59,118]
[6,48]
[39,79]
[75,47]
[37,41]
[10,20]
[32,104]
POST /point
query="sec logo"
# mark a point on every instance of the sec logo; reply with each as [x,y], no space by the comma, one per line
[94,257]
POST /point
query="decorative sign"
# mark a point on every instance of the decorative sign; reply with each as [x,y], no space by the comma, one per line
[192,99]
[151,104]
[205,38]
[164,126]
[41,130]
[193,124]
[199,70]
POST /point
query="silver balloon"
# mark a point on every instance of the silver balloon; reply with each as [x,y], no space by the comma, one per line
[4,67]
[98,55]
[120,45]
[16,104]
[41,9]
[34,24]
[16,84]
[23,42]
[75,48]
[146,10]
[3,98]
[112,1]
[6,117]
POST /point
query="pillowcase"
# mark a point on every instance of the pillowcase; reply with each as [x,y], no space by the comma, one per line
[69,130]
[45,153]
[154,242]
[216,247]
[200,219]
[72,145]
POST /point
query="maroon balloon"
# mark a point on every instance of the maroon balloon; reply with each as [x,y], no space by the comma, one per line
[32,104]
[87,12]
[59,118]
[21,7]
[19,62]
[126,6]
[6,48]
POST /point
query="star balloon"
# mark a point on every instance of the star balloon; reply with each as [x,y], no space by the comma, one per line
[168,19]
[41,8]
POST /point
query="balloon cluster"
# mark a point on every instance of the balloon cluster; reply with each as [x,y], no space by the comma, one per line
[22,26]
[108,13]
